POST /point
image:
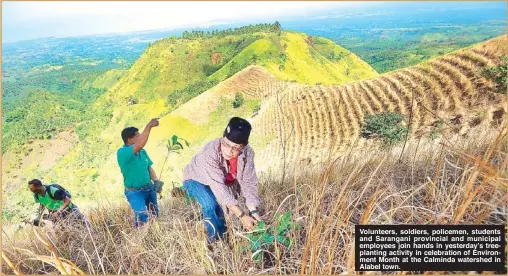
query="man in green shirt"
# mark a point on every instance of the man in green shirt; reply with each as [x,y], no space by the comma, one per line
[56,200]
[138,174]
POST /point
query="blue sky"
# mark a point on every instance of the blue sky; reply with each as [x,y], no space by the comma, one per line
[27,20]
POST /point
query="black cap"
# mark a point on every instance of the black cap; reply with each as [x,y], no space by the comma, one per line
[238,131]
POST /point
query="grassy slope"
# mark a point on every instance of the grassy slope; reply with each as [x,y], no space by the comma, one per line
[363,180]
[301,61]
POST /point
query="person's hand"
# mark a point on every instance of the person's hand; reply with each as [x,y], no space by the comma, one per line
[257,217]
[158,186]
[248,222]
[153,123]
[56,214]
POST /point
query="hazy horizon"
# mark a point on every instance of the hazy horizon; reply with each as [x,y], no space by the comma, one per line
[34,20]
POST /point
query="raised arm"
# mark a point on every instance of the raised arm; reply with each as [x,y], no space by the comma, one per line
[143,137]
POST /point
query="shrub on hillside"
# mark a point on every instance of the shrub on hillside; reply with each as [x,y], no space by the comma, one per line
[209,69]
[437,127]
[256,109]
[132,100]
[498,75]
[387,126]
[238,100]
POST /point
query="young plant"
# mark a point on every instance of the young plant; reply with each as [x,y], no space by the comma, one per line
[436,130]
[173,146]
[262,237]
[238,100]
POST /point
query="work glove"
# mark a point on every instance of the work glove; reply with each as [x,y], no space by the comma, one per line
[158,186]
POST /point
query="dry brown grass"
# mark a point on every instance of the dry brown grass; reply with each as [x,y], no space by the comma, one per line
[329,117]
[461,180]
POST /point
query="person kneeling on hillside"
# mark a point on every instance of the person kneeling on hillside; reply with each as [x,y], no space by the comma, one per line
[216,174]
[138,174]
[56,199]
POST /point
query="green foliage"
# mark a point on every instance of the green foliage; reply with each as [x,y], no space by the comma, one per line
[174,146]
[186,76]
[209,69]
[266,28]
[283,58]
[132,100]
[238,100]
[234,67]
[181,96]
[93,121]
[277,28]
[387,126]
[498,75]
[262,237]
[39,116]
[390,46]
[436,130]
[255,58]
[256,108]
[49,102]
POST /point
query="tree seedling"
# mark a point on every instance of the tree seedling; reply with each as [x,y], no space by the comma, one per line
[173,146]
[262,237]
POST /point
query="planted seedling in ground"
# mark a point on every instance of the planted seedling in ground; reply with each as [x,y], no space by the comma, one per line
[268,243]
[174,146]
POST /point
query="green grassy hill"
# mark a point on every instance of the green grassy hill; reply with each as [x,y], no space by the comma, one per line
[179,69]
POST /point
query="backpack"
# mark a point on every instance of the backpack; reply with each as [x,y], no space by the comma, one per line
[48,190]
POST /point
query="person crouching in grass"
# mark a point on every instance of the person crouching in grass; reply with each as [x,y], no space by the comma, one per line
[223,166]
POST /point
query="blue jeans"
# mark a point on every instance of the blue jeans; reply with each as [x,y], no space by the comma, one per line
[213,214]
[142,202]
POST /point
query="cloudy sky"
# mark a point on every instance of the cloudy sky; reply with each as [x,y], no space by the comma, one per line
[27,20]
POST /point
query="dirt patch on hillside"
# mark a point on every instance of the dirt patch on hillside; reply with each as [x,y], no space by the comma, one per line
[216,58]
[253,82]
[309,40]
[42,154]
[58,147]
